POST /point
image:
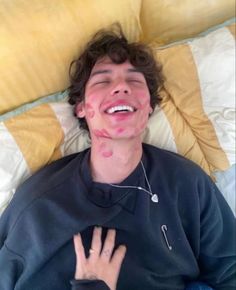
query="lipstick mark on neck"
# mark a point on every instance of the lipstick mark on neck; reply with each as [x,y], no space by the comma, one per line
[105,152]
[101,133]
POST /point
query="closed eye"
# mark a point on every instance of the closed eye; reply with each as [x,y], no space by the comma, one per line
[101,82]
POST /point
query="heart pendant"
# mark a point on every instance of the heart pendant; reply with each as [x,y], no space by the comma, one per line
[154,198]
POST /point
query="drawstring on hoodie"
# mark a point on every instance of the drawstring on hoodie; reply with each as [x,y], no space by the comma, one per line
[164,231]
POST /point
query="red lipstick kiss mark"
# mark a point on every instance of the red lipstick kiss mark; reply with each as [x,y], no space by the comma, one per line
[88,106]
[90,110]
[102,133]
[120,130]
[107,154]
[91,114]
[104,151]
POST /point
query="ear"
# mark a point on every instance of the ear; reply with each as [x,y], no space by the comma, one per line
[79,109]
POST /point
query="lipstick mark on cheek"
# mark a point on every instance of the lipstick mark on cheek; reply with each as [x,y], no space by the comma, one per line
[91,114]
[107,154]
[88,106]
[90,110]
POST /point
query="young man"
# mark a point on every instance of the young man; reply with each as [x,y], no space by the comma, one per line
[164,222]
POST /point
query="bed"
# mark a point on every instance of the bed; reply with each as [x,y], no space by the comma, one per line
[193,40]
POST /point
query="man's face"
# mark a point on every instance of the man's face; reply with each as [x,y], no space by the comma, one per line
[117,101]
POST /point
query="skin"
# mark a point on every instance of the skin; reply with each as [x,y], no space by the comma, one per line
[101,264]
[109,85]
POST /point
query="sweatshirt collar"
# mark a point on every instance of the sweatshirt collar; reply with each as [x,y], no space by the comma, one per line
[104,195]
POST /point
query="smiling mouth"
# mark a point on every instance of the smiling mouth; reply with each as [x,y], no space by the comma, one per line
[120,109]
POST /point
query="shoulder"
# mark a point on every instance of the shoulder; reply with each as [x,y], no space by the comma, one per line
[170,161]
[52,174]
[181,176]
[45,181]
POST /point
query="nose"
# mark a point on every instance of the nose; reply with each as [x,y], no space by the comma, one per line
[120,87]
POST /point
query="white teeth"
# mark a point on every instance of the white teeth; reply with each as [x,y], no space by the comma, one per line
[120,108]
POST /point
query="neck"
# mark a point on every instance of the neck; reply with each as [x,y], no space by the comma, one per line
[113,160]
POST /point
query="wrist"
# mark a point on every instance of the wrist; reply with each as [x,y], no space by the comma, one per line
[87,284]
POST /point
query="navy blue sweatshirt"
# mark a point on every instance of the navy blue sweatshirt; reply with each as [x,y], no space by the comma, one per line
[188,235]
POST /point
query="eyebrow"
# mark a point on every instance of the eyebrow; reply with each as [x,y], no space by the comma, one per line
[134,70]
[104,71]
[101,71]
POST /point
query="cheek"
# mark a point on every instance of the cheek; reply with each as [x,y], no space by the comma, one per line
[107,154]
[143,94]
[89,111]
[143,124]
[140,128]
[143,98]
[145,104]
[146,110]
[91,114]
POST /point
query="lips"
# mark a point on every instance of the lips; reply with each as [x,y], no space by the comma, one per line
[120,107]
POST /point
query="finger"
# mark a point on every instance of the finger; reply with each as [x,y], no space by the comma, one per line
[79,249]
[118,257]
[108,245]
[96,244]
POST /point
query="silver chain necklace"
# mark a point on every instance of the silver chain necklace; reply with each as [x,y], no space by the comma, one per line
[154,196]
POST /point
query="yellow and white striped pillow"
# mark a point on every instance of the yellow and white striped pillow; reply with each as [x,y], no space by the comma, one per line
[198,104]
[33,139]
[195,119]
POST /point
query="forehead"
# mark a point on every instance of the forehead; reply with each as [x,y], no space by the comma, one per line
[106,62]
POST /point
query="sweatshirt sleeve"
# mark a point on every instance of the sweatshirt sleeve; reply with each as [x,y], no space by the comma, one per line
[88,285]
[11,266]
[217,257]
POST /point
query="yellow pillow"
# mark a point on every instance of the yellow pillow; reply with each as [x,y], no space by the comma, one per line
[197,114]
[39,39]
[169,20]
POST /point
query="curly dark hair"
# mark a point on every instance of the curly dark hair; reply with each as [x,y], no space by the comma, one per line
[113,43]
